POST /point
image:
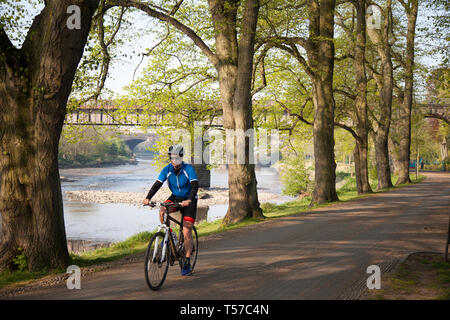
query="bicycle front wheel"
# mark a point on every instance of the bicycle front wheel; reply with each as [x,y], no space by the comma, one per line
[156,265]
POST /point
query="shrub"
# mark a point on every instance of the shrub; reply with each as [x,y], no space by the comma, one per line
[20,261]
[294,176]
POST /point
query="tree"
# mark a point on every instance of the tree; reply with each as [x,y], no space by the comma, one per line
[35,82]
[357,35]
[234,25]
[321,59]
[406,98]
[380,38]
[319,47]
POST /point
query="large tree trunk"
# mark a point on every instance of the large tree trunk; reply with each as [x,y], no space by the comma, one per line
[382,159]
[321,60]
[323,130]
[35,83]
[404,123]
[385,86]
[243,196]
[362,123]
[235,71]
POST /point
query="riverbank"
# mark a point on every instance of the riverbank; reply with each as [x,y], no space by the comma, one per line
[97,163]
[206,197]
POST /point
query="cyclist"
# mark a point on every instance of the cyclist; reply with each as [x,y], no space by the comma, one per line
[183,183]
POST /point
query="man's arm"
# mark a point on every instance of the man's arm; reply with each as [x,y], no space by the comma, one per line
[194,189]
[154,189]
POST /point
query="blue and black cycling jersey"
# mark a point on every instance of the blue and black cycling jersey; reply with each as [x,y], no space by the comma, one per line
[179,183]
[183,182]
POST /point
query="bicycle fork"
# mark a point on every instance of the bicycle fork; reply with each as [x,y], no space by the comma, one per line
[165,240]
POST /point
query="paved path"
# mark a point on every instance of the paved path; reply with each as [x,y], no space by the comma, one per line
[320,255]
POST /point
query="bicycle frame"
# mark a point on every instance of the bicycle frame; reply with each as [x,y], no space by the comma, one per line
[158,257]
[165,228]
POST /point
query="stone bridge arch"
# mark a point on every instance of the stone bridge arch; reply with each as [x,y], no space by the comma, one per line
[132,143]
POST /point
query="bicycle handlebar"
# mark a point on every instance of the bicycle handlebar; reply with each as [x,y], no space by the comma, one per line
[164,204]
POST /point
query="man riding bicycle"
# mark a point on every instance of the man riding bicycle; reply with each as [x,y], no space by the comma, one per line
[183,183]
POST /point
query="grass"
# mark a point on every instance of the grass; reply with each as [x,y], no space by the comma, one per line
[9,277]
[138,243]
[443,270]
[421,276]
[404,280]
[135,244]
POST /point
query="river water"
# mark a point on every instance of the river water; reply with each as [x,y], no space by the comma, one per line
[113,222]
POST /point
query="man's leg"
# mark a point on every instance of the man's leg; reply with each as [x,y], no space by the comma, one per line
[187,233]
[189,214]
[161,214]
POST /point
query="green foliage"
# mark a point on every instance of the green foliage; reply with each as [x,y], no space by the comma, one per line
[428,136]
[344,145]
[8,277]
[267,206]
[91,148]
[119,33]
[20,260]
[373,173]
[178,85]
[294,176]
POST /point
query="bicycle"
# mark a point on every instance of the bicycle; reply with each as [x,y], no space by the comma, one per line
[158,257]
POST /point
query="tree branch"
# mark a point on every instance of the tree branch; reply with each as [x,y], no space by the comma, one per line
[298,116]
[292,50]
[352,132]
[405,5]
[207,77]
[345,93]
[175,7]
[145,7]
[6,45]
[260,61]
[150,50]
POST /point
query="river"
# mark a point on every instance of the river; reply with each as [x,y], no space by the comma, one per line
[112,222]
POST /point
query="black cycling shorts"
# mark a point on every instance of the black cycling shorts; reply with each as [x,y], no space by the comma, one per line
[188,213]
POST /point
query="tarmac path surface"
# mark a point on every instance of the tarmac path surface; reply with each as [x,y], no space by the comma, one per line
[322,254]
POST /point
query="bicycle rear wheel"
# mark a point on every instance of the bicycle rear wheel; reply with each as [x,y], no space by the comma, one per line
[155,267]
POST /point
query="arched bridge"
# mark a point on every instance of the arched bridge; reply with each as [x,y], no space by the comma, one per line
[438,111]
[133,140]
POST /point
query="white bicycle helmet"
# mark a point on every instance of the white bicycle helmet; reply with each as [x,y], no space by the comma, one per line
[176,149]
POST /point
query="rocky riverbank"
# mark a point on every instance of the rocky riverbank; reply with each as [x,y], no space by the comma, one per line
[207,197]
[81,246]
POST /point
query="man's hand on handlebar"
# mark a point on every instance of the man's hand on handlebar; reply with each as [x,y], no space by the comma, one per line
[147,202]
[185,203]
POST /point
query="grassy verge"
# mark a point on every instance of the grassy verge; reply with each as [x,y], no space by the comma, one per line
[423,276]
[138,242]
